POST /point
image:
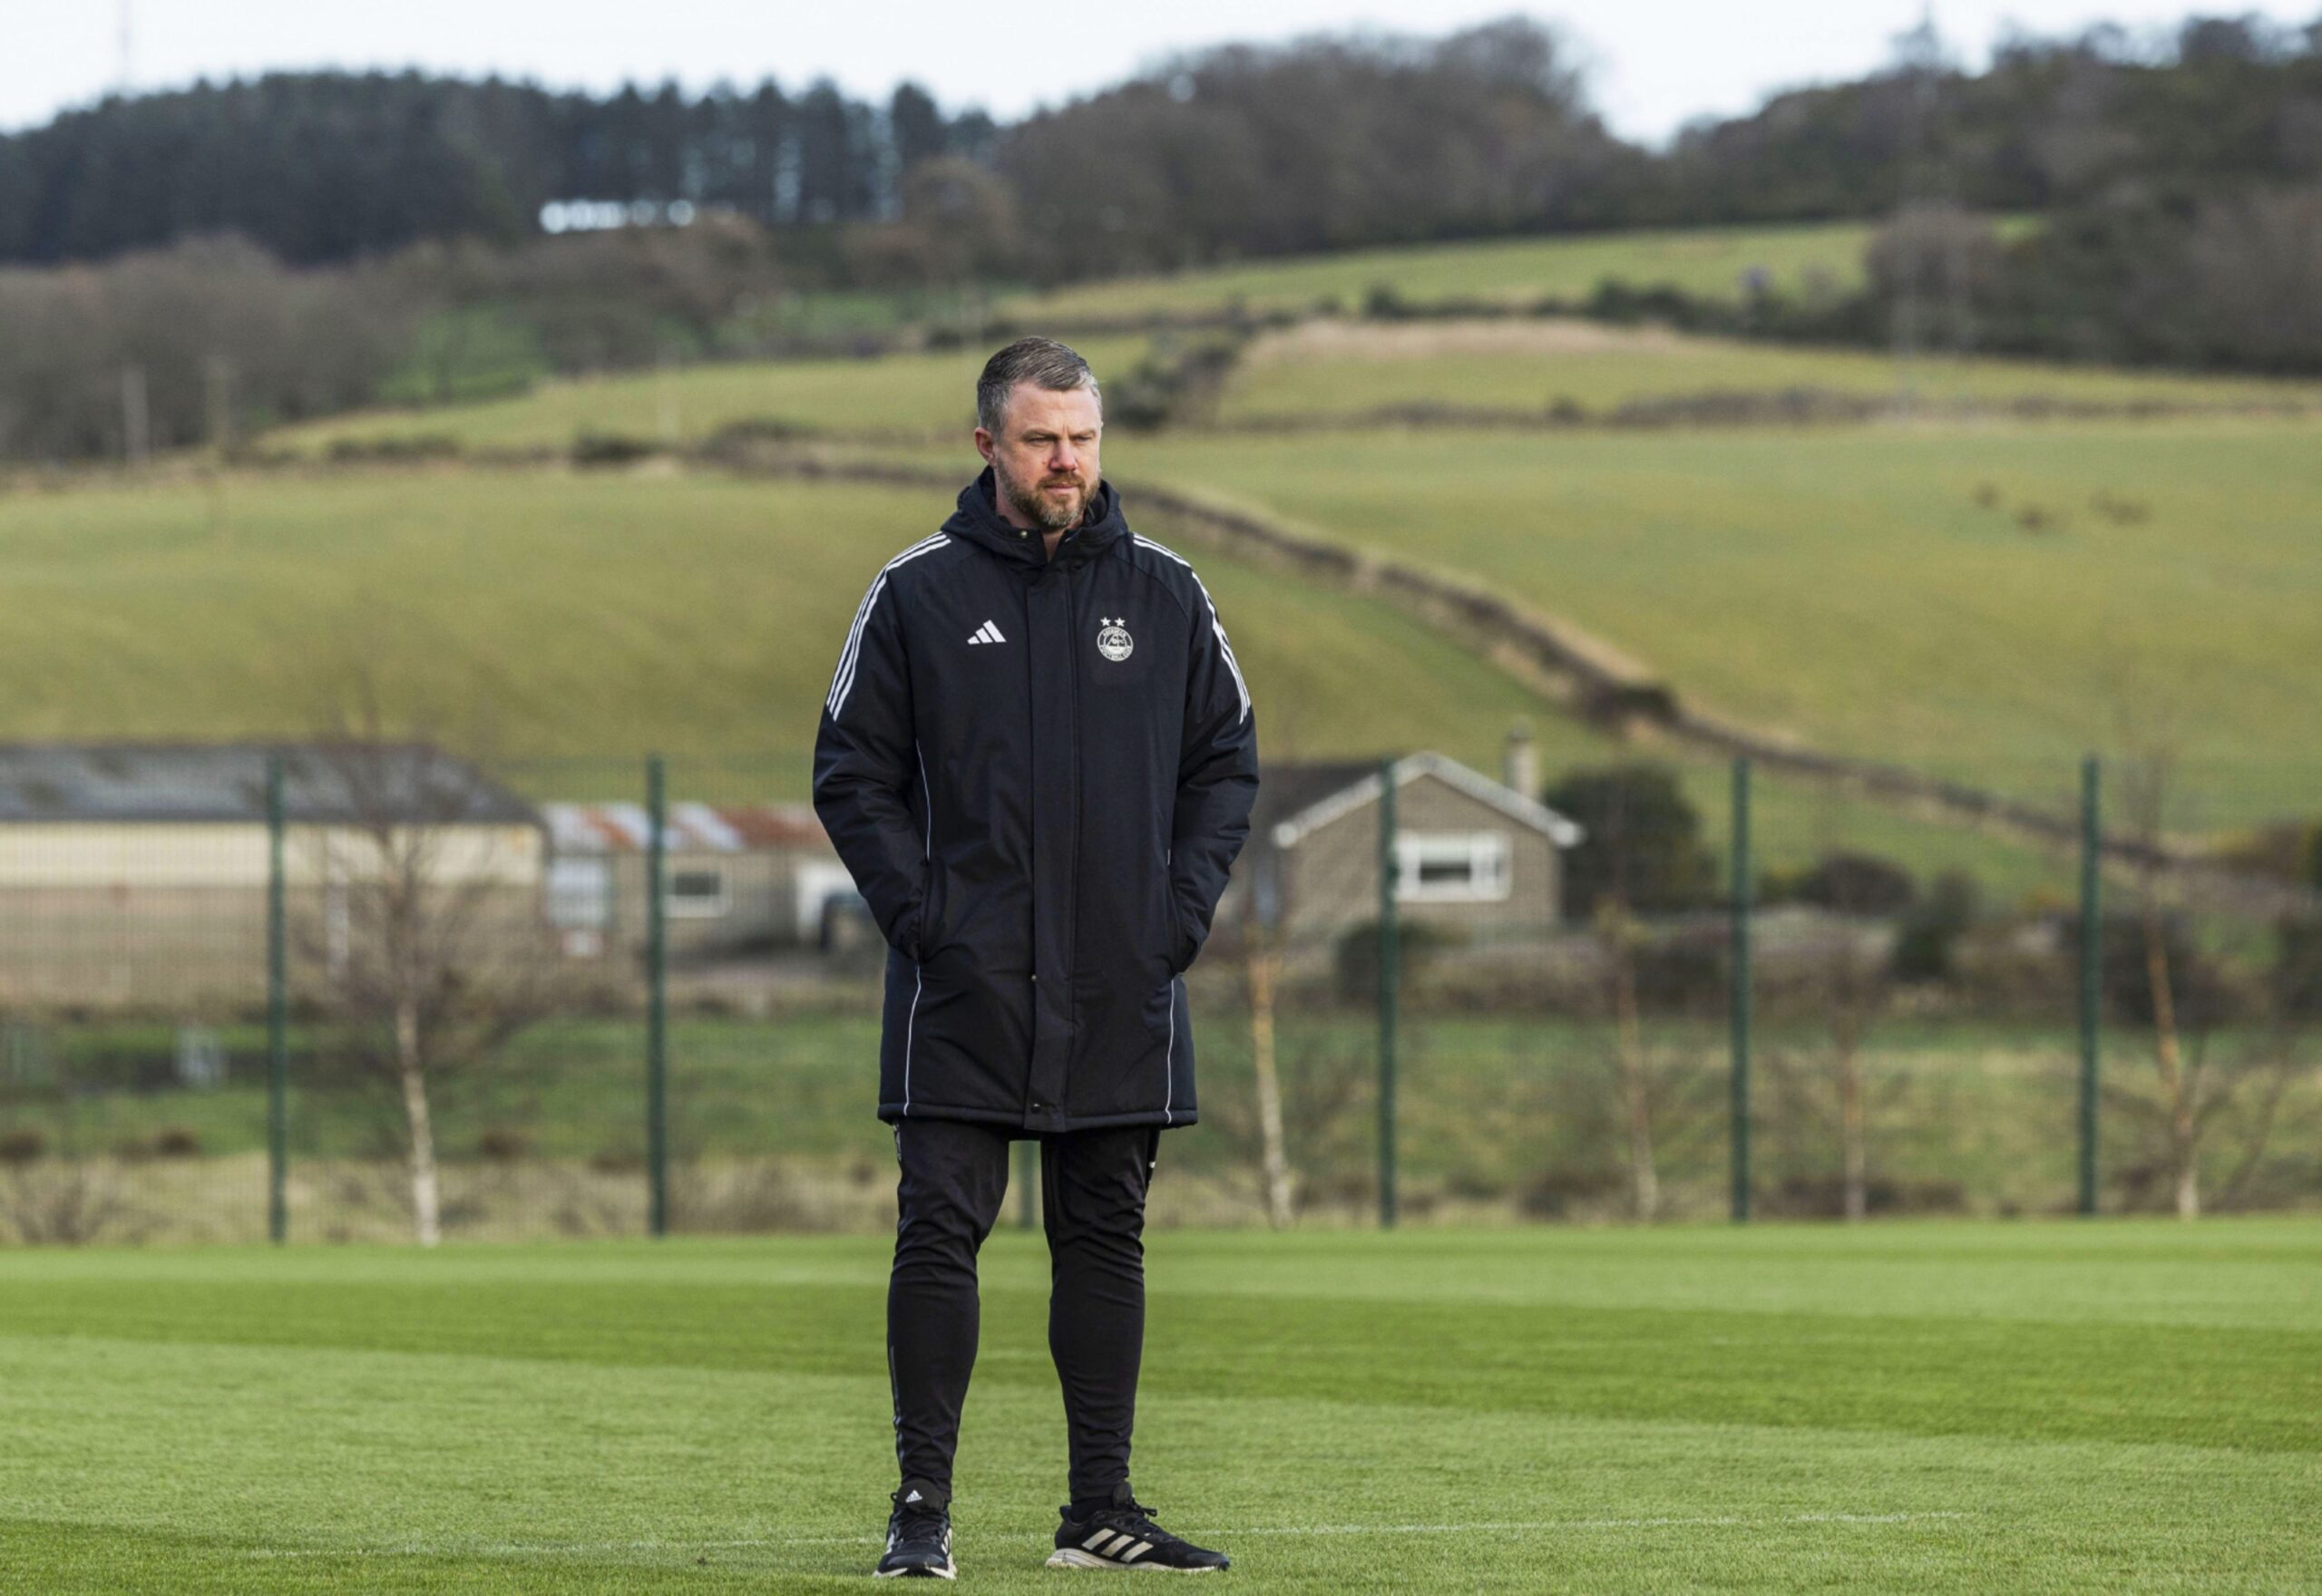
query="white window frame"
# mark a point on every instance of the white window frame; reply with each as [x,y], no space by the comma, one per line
[694,907]
[579,884]
[1489,858]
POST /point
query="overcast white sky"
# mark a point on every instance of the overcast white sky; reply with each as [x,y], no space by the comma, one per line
[1655,63]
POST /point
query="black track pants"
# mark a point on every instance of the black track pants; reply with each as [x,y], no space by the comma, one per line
[1093,1186]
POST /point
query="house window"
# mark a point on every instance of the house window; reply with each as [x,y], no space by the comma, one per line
[580,894]
[697,893]
[1451,867]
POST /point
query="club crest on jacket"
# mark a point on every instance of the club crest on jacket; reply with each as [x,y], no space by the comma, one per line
[1113,640]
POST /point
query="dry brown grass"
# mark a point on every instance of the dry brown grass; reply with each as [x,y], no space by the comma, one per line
[1328,339]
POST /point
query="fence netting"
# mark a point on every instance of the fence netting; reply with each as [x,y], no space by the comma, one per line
[1431,995]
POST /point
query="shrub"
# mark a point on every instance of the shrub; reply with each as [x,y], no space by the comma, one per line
[1925,950]
[1642,840]
[2296,980]
[2199,987]
[1417,943]
[1858,883]
[1824,1197]
[502,1144]
[610,448]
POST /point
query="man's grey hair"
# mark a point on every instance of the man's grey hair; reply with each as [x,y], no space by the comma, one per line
[1042,362]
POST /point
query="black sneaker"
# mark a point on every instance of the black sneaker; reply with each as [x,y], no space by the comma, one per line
[1124,1535]
[919,1535]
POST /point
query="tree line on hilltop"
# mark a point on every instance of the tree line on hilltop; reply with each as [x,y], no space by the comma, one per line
[175,264]
[1237,150]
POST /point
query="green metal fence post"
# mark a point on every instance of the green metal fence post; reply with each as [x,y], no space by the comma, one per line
[657,997]
[1390,958]
[278,1007]
[2092,972]
[1739,997]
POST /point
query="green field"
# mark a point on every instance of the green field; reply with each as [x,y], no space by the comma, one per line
[1940,1408]
[562,624]
[1322,369]
[1849,586]
[906,395]
[1708,262]
[547,615]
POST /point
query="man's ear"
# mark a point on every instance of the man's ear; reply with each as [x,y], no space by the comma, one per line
[985,445]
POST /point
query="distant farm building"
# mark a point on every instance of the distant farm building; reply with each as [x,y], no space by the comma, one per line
[136,874]
[1473,853]
[736,880]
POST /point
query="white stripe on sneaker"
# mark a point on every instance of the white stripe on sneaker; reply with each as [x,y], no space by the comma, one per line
[1136,1552]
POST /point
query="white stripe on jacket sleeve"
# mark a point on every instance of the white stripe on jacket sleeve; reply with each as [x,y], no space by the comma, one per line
[844,677]
[1215,624]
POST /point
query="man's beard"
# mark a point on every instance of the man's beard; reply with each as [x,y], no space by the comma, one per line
[1049,514]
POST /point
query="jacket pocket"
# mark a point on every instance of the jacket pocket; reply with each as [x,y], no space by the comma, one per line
[922,929]
[1168,940]
[1183,943]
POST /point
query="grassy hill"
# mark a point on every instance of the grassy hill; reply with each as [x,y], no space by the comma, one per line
[553,616]
[1878,590]
[1983,600]
[913,394]
[562,624]
[1327,369]
[1707,262]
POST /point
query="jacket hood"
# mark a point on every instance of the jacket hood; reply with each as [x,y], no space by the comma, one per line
[977,520]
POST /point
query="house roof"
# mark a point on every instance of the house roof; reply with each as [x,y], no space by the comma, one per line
[404,784]
[1296,799]
[693,828]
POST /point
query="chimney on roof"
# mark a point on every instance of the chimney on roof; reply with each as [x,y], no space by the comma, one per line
[1519,766]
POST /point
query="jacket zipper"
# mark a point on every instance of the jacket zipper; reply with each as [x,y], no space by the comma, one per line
[1072,686]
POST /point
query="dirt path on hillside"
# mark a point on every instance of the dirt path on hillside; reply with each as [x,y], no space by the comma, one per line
[1330,339]
[1594,680]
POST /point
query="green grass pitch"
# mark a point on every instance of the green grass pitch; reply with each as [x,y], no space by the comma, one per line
[2120,1406]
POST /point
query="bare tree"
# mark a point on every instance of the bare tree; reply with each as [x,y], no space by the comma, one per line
[1619,936]
[1619,933]
[1264,972]
[2180,1000]
[435,952]
[1852,982]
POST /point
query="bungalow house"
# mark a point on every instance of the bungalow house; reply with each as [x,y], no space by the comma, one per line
[1471,853]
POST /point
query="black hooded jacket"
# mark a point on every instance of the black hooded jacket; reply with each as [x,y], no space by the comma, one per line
[1038,772]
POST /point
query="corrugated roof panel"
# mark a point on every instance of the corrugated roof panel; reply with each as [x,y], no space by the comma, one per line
[694,828]
[706,829]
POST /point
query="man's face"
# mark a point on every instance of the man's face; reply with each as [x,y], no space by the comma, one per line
[1044,458]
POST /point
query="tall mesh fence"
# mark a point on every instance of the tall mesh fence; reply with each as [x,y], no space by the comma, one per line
[1482,1010]
[133,1035]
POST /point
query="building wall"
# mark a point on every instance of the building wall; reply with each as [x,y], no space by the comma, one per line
[173,917]
[71,853]
[1330,877]
[203,949]
[759,909]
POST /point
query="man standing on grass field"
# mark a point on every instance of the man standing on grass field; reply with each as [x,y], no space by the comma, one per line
[1038,760]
